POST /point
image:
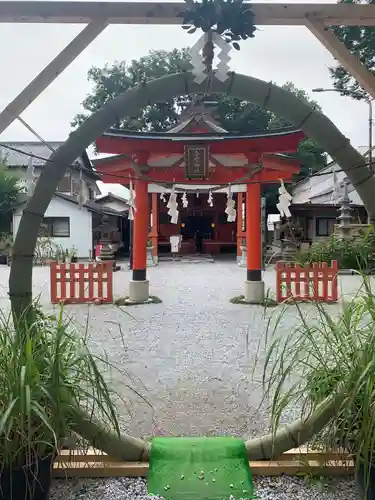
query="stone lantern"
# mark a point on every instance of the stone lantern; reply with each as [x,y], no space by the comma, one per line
[345,218]
[106,229]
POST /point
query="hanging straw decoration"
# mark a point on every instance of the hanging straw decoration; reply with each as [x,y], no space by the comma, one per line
[131,200]
[184,199]
[230,208]
[284,203]
[210,199]
[173,207]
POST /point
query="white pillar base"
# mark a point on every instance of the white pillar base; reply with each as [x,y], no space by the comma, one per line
[139,291]
[254,292]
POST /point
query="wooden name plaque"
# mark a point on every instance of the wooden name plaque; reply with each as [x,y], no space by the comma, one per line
[196,162]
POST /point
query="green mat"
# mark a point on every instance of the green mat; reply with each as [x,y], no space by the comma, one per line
[199,469]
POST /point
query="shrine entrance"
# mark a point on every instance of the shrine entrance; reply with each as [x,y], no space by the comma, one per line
[197,185]
[259,168]
[196,229]
[203,229]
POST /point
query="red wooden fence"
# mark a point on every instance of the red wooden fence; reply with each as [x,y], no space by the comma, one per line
[81,283]
[311,282]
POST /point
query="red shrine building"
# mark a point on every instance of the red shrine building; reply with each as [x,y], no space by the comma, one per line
[203,165]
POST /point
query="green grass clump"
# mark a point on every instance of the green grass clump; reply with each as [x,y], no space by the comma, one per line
[328,354]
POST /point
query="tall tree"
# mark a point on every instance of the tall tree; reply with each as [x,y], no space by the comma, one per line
[312,156]
[360,40]
[110,81]
[233,114]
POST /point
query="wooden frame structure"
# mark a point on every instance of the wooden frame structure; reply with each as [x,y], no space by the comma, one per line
[316,282]
[94,463]
[97,15]
[81,283]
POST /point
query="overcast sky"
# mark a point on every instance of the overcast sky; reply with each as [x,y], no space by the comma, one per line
[276,53]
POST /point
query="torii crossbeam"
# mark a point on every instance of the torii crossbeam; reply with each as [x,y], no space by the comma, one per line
[285,14]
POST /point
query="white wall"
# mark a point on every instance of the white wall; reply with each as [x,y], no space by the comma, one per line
[80,225]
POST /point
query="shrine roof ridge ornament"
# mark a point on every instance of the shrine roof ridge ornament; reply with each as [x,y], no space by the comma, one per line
[198,136]
[167,13]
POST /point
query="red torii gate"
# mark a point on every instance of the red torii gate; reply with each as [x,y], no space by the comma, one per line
[165,158]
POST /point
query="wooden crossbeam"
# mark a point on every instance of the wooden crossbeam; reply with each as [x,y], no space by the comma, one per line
[350,62]
[93,463]
[44,79]
[168,13]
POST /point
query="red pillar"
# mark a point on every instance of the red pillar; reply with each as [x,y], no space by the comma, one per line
[239,224]
[253,233]
[140,231]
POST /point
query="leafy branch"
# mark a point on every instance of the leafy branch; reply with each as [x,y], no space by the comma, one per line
[231,19]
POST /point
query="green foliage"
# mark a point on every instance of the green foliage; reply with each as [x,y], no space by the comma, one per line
[6,244]
[9,195]
[328,355]
[360,40]
[234,115]
[46,372]
[45,248]
[110,81]
[353,253]
[279,121]
[124,301]
[231,19]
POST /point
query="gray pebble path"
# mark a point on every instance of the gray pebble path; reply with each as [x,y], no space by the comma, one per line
[191,358]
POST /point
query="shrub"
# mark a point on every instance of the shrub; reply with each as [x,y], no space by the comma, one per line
[352,253]
[47,373]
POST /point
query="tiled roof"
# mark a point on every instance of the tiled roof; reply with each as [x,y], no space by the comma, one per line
[92,206]
[16,159]
[111,196]
[180,136]
[37,153]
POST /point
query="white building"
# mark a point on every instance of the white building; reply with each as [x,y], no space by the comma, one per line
[316,200]
[68,224]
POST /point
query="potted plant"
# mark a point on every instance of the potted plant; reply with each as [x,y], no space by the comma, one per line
[73,254]
[46,374]
[329,357]
[67,256]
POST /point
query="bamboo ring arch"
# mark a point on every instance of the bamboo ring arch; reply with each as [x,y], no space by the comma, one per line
[267,95]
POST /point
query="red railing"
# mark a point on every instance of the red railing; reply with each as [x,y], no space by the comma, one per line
[81,283]
[311,282]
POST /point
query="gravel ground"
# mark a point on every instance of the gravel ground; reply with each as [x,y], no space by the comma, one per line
[277,488]
[191,358]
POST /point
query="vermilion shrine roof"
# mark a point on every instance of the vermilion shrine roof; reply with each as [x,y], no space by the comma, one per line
[163,157]
[118,141]
[197,118]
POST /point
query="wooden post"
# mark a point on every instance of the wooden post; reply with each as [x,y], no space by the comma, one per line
[141,226]
[253,233]
[50,73]
[339,51]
